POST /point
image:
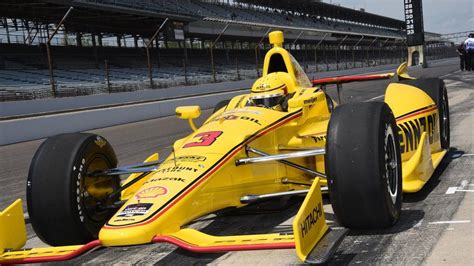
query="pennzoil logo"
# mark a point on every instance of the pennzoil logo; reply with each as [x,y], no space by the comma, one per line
[100,142]
[410,132]
[236,117]
[151,192]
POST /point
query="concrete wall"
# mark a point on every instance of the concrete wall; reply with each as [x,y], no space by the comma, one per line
[30,128]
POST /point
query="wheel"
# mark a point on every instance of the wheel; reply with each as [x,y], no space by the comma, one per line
[363,165]
[66,206]
[330,102]
[436,89]
[221,104]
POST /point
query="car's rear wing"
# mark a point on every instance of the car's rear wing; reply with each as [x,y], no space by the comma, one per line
[348,79]
[401,73]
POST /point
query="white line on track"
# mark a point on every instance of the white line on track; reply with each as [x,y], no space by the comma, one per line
[418,224]
[451,222]
[376,97]
[445,75]
[451,190]
[461,188]
[464,184]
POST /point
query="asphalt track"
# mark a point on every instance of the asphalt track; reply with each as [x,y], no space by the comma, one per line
[424,214]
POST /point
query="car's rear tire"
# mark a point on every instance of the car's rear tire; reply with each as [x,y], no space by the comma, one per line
[64,204]
[221,104]
[436,89]
[363,165]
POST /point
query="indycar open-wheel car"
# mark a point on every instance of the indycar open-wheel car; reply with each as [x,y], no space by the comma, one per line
[285,137]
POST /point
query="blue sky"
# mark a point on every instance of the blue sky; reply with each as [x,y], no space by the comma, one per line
[440,16]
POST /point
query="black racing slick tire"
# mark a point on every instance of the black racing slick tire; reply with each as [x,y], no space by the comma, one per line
[221,104]
[436,89]
[64,203]
[363,165]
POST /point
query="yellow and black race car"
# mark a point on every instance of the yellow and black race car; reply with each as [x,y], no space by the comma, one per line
[285,137]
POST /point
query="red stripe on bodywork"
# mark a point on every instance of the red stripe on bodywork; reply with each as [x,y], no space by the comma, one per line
[223,161]
[223,248]
[417,113]
[79,251]
[347,79]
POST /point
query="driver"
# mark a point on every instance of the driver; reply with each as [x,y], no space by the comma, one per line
[270,91]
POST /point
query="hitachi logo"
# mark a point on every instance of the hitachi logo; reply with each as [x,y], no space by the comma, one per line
[311,219]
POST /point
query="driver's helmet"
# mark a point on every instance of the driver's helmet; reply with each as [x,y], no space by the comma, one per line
[269,91]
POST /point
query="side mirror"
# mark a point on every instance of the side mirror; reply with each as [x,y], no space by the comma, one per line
[189,112]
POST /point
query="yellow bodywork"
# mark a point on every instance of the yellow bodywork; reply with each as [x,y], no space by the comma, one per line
[419,133]
[201,177]
[309,225]
[12,227]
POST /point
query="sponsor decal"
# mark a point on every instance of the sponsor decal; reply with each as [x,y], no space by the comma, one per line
[187,158]
[263,86]
[135,210]
[310,100]
[205,175]
[124,220]
[238,110]
[318,138]
[151,192]
[236,117]
[177,169]
[409,132]
[205,139]
[177,179]
[311,219]
[100,142]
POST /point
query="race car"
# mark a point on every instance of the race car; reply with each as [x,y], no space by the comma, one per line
[285,137]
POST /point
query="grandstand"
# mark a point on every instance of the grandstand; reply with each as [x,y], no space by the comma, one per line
[101,47]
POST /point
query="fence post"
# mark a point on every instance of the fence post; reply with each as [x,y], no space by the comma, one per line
[147,48]
[237,66]
[107,77]
[48,51]
[315,48]
[185,72]
[257,52]
[212,54]
[368,48]
[337,52]
[315,60]
[353,50]
[326,60]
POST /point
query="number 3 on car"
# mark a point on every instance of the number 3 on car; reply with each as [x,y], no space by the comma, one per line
[205,139]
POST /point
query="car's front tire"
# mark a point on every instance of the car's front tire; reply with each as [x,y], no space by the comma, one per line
[363,165]
[64,203]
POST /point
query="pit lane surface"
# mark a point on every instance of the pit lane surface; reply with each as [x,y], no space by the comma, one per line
[409,242]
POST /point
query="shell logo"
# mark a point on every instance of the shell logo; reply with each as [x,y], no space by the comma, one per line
[151,192]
